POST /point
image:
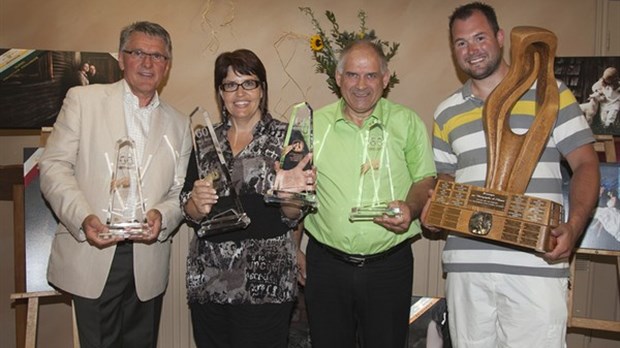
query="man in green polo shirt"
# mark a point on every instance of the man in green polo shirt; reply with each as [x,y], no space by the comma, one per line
[360,274]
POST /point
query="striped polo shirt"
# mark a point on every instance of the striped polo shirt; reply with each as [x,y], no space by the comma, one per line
[459,149]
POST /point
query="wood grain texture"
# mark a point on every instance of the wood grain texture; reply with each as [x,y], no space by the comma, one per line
[513,157]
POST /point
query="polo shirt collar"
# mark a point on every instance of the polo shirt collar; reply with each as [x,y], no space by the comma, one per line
[466,92]
[377,115]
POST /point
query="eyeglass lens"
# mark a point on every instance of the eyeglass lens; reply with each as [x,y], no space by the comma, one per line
[233,86]
[142,55]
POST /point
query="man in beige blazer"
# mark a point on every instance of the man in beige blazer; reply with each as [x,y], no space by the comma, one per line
[117,284]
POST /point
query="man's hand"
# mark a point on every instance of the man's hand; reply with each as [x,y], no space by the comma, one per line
[423,219]
[566,237]
[400,222]
[583,193]
[153,221]
[92,228]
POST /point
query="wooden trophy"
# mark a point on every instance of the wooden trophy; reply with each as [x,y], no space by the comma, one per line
[500,211]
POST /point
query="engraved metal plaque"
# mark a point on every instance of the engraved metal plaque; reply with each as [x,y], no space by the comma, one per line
[515,219]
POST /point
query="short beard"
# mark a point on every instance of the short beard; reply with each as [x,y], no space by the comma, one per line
[490,69]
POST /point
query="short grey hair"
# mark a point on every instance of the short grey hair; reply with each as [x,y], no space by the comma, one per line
[148,28]
[362,42]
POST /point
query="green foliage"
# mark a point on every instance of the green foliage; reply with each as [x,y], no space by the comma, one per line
[325,48]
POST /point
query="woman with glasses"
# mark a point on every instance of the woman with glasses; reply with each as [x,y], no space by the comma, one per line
[241,284]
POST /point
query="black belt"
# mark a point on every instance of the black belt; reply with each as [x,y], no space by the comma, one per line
[125,242]
[359,260]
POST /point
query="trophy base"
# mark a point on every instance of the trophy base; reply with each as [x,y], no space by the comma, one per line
[301,199]
[368,213]
[126,230]
[508,218]
[222,224]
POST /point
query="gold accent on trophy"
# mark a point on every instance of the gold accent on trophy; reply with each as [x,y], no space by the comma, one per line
[227,214]
[500,211]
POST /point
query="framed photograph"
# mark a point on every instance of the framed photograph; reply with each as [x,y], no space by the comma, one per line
[603,230]
[33,83]
[595,82]
[428,323]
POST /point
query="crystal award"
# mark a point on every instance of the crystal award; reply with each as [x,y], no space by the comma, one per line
[376,188]
[126,215]
[227,214]
[298,142]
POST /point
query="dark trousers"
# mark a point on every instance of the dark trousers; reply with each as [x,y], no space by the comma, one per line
[241,326]
[368,304]
[118,318]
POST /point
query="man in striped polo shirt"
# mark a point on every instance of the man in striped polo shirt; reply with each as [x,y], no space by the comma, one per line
[500,296]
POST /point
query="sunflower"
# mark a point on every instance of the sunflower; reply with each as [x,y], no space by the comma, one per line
[326,46]
[316,42]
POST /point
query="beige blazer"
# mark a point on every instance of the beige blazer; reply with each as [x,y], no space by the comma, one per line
[75,176]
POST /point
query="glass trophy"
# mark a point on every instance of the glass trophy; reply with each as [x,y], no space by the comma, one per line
[376,188]
[227,214]
[298,142]
[126,214]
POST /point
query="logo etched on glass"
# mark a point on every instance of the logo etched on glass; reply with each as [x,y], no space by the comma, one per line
[376,188]
[126,215]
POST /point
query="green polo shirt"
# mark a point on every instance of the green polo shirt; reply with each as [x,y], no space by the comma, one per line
[341,149]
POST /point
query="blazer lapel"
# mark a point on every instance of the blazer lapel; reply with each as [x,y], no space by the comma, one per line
[115,112]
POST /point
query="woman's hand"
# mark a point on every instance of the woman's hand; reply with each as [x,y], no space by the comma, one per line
[202,199]
[296,179]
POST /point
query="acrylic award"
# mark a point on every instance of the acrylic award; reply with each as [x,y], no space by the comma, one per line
[227,214]
[375,188]
[298,142]
[126,215]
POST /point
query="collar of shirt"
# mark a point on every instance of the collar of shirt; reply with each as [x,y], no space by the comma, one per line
[259,128]
[377,115]
[137,119]
[467,93]
[134,113]
[131,99]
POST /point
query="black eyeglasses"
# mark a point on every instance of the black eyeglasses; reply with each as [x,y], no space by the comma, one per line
[233,86]
[139,55]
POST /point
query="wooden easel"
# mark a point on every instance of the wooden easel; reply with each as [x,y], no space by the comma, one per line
[591,323]
[605,144]
[32,317]
[12,188]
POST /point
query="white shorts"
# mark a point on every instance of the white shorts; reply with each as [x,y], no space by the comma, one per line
[501,310]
